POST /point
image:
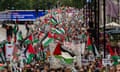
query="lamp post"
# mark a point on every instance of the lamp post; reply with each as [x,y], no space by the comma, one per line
[104,21]
[96,10]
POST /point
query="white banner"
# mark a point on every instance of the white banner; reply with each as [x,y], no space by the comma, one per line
[85,62]
[106,62]
[9,50]
[82,48]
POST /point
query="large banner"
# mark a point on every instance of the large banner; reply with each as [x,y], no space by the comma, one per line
[21,15]
[9,50]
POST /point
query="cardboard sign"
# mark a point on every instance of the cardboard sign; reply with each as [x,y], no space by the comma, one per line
[85,62]
[106,62]
[9,50]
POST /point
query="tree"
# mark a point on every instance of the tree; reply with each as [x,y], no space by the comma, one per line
[40,4]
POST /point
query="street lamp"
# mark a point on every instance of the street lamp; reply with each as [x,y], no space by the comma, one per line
[104,15]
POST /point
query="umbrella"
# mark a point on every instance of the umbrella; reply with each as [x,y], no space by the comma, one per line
[111,25]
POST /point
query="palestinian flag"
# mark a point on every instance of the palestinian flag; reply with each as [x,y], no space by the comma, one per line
[47,40]
[57,50]
[19,36]
[89,44]
[70,52]
[35,41]
[26,42]
[63,55]
[65,60]
[41,35]
[30,46]
[62,30]
[96,53]
[112,53]
[116,60]
[53,21]
[30,50]
[29,58]
[41,53]
[92,47]
[58,31]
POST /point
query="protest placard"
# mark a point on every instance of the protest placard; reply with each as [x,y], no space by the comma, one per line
[9,50]
[106,62]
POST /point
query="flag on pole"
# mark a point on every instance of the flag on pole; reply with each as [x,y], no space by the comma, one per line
[58,31]
[29,58]
[19,35]
[26,42]
[53,21]
[57,50]
[65,60]
[30,50]
[110,50]
[41,35]
[30,46]
[96,51]
[64,49]
[48,40]
[115,59]
[35,41]
[62,30]
[89,44]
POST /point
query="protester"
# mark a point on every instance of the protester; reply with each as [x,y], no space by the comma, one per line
[60,39]
[27,27]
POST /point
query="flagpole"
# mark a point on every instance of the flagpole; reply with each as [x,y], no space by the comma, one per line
[104,15]
[98,24]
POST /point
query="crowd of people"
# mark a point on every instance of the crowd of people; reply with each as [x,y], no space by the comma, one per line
[65,24]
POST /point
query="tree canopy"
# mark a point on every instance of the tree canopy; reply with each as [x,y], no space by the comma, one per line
[39,4]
